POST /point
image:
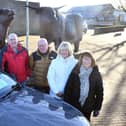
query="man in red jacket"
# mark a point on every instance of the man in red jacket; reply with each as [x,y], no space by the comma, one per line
[15,59]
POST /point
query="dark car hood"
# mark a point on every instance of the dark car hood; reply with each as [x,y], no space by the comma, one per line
[32,108]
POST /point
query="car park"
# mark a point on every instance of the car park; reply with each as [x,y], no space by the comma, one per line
[29,107]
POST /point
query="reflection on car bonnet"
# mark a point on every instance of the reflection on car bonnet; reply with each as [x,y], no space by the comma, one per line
[52,103]
[33,107]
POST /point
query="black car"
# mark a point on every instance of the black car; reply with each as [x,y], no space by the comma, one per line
[28,107]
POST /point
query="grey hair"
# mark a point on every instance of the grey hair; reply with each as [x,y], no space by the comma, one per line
[43,40]
[11,35]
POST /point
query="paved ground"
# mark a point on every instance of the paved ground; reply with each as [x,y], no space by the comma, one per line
[111,58]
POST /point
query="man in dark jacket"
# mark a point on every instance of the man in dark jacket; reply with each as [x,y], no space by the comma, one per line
[39,63]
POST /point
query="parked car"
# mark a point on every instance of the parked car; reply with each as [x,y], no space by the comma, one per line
[85,26]
[26,106]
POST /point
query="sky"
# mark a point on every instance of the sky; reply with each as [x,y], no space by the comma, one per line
[68,3]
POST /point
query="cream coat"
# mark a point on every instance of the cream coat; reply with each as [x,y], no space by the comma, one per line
[58,73]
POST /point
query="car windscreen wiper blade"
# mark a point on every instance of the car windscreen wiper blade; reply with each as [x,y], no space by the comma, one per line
[16,87]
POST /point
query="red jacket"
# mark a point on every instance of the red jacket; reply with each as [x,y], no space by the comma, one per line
[17,63]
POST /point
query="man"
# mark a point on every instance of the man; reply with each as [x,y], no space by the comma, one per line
[15,60]
[39,63]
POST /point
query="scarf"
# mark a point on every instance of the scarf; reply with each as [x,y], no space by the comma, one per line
[84,83]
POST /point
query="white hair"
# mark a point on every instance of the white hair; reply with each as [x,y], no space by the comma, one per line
[43,40]
[12,36]
[66,45]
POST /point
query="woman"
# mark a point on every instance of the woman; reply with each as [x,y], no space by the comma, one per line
[84,88]
[60,69]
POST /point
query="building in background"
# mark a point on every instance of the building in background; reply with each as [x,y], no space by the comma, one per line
[100,15]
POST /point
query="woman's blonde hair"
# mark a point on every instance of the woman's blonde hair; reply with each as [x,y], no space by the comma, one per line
[88,54]
[65,45]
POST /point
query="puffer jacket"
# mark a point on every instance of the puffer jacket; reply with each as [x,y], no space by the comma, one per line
[16,64]
[39,64]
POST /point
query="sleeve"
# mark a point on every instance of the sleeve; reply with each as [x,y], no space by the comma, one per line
[1,55]
[72,91]
[28,70]
[51,77]
[99,92]
[31,62]
[4,62]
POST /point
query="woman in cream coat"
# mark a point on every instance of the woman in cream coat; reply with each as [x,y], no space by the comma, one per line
[60,69]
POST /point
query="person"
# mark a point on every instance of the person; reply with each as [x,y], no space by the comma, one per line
[15,60]
[39,62]
[2,50]
[84,88]
[60,69]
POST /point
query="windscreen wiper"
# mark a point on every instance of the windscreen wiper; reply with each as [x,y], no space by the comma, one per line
[16,87]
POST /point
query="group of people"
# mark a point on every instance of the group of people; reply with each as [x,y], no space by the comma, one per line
[76,81]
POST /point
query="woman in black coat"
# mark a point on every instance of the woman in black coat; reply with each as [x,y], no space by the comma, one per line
[84,88]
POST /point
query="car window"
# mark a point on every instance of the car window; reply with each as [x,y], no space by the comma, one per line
[2,84]
[6,83]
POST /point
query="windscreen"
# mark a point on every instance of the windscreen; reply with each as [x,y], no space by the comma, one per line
[6,82]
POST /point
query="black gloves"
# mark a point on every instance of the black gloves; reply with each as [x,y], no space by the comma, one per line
[95,113]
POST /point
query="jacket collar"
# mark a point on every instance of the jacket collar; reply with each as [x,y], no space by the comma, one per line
[19,48]
[43,54]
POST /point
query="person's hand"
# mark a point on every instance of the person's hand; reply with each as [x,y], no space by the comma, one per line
[95,113]
[59,94]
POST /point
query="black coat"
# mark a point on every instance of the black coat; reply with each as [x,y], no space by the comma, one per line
[95,95]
